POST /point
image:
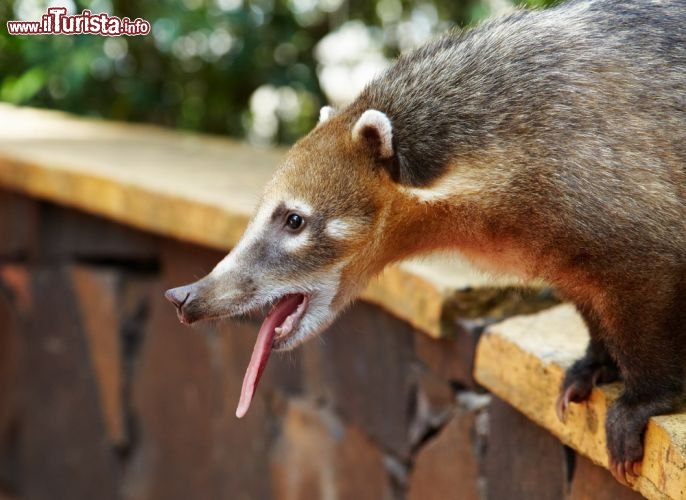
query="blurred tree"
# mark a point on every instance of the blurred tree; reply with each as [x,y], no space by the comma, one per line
[208,65]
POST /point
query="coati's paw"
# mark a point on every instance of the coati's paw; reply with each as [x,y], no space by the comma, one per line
[625,428]
[579,382]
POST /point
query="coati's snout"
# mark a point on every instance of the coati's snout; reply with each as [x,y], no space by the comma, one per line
[247,280]
[199,300]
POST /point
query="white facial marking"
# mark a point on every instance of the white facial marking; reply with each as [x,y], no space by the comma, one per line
[320,312]
[257,228]
[300,207]
[294,242]
[325,113]
[339,229]
[380,123]
[254,231]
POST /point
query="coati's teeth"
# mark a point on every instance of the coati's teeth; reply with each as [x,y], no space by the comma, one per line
[288,323]
[278,330]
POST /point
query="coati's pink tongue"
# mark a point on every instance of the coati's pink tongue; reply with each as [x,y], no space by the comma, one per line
[263,346]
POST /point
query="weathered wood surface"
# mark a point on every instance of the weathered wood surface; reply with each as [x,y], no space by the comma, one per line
[522,360]
[202,190]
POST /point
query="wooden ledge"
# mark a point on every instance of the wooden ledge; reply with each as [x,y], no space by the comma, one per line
[202,190]
[522,360]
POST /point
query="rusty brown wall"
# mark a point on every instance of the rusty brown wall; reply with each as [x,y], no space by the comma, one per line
[104,395]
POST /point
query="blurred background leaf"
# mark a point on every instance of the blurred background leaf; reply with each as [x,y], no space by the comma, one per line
[258,69]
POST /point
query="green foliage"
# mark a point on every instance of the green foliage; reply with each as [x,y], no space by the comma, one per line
[201,63]
[537,4]
[22,88]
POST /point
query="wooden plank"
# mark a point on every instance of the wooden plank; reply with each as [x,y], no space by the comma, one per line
[523,461]
[523,359]
[63,455]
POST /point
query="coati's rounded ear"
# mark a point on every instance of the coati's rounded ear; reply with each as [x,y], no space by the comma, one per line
[325,113]
[375,127]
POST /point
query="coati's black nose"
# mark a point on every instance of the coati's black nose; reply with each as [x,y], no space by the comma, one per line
[178,296]
[183,297]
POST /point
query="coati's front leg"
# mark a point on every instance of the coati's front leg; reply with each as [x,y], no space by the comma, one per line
[650,354]
[596,367]
[646,336]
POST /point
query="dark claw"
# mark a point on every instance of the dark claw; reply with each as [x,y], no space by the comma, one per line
[561,409]
[619,472]
[562,404]
[629,468]
[576,392]
[626,472]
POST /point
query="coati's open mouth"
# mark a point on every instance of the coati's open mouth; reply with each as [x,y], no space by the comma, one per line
[279,325]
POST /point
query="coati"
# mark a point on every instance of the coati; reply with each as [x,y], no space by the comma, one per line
[547,143]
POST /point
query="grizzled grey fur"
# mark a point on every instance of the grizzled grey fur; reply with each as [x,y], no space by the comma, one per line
[581,80]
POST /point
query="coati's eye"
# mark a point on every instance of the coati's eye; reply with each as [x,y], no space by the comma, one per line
[294,221]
